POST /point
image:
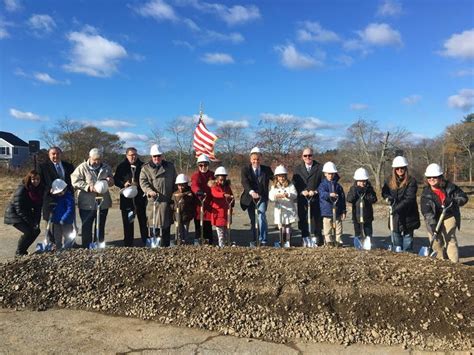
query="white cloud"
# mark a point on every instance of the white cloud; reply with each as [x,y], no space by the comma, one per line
[460,45]
[111,123]
[359,107]
[345,60]
[411,100]
[12,5]
[464,100]
[305,122]
[27,116]
[316,123]
[465,72]
[3,32]
[184,44]
[389,8]
[380,34]
[312,31]
[41,24]
[93,54]
[213,36]
[217,58]
[233,124]
[157,9]
[132,137]
[47,79]
[293,59]
[235,15]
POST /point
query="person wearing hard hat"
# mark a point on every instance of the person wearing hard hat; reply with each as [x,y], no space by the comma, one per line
[184,206]
[222,196]
[283,193]
[24,210]
[399,190]
[440,193]
[306,177]
[331,195]
[362,192]
[93,178]
[63,212]
[255,179]
[157,180]
[132,201]
[200,188]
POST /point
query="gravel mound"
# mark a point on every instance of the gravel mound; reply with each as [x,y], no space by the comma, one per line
[319,295]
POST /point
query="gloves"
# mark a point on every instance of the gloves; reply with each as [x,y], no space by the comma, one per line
[390,200]
[200,193]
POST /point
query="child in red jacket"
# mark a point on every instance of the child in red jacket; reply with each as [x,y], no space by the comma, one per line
[222,201]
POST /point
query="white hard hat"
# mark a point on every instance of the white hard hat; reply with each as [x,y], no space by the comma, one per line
[182,179]
[203,158]
[255,150]
[220,171]
[280,170]
[399,162]
[101,186]
[361,174]
[433,170]
[58,186]
[130,191]
[155,150]
[329,167]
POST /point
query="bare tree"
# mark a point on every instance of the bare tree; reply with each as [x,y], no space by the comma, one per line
[182,131]
[233,140]
[461,137]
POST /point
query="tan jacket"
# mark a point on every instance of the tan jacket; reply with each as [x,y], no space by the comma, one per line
[161,180]
[82,178]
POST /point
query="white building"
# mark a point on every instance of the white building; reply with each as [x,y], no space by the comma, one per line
[14,151]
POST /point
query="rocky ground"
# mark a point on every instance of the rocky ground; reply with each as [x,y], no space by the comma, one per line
[331,295]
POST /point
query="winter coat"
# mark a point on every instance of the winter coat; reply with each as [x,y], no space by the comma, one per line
[219,204]
[431,205]
[285,208]
[85,177]
[123,174]
[199,184]
[64,209]
[186,204]
[367,195]
[21,209]
[251,182]
[48,174]
[406,217]
[160,179]
[325,202]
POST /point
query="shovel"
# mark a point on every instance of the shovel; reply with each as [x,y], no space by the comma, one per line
[366,243]
[96,244]
[256,201]
[70,238]
[334,217]
[46,245]
[153,241]
[229,220]
[177,225]
[131,214]
[392,228]
[281,241]
[310,241]
[428,251]
[201,216]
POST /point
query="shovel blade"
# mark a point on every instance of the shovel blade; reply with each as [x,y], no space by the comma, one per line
[286,245]
[367,244]
[277,245]
[424,251]
[93,245]
[252,245]
[357,243]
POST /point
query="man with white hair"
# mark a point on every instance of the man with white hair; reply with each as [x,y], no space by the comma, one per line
[92,178]
[157,180]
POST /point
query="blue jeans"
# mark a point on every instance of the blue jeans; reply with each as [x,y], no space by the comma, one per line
[403,239]
[262,220]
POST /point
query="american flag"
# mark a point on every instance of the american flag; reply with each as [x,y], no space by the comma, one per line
[204,140]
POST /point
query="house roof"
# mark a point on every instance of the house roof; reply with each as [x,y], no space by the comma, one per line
[12,139]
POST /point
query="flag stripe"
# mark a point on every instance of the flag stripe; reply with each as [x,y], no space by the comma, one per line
[204,141]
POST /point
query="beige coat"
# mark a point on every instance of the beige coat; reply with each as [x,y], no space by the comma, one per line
[161,180]
[82,178]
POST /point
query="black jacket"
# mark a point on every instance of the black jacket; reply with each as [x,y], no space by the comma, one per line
[304,180]
[250,182]
[48,174]
[406,217]
[431,205]
[123,173]
[369,197]
[21,209]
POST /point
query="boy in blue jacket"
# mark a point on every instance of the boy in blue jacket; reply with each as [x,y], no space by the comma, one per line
[332,199]
[63,214]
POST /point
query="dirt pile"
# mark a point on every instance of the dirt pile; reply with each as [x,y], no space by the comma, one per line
[333,295]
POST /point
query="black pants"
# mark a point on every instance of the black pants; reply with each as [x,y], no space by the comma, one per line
[128,228]
[207,230]
[88,217]
[316,221]
[28,237]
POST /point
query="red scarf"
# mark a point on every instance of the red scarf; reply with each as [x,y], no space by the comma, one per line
[35,194]
[440,193]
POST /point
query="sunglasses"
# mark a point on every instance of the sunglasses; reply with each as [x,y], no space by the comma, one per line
[402,168]
[202,165]
[156,156]
[432,178]
[307,155]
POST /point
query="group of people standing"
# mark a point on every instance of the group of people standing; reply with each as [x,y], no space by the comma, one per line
[313,197]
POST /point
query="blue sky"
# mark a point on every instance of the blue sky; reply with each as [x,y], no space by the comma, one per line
[132,66]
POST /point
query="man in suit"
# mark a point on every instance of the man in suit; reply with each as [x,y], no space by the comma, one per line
[255,179]
[306,178]
[53,169]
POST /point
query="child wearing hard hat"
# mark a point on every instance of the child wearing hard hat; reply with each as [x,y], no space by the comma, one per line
[184,204]
[362,196]
[63,214]
[222,201]
[284,194]
[332,202]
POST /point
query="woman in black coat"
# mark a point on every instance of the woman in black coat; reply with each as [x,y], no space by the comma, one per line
[400,192]
[439,193]
[24,210]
